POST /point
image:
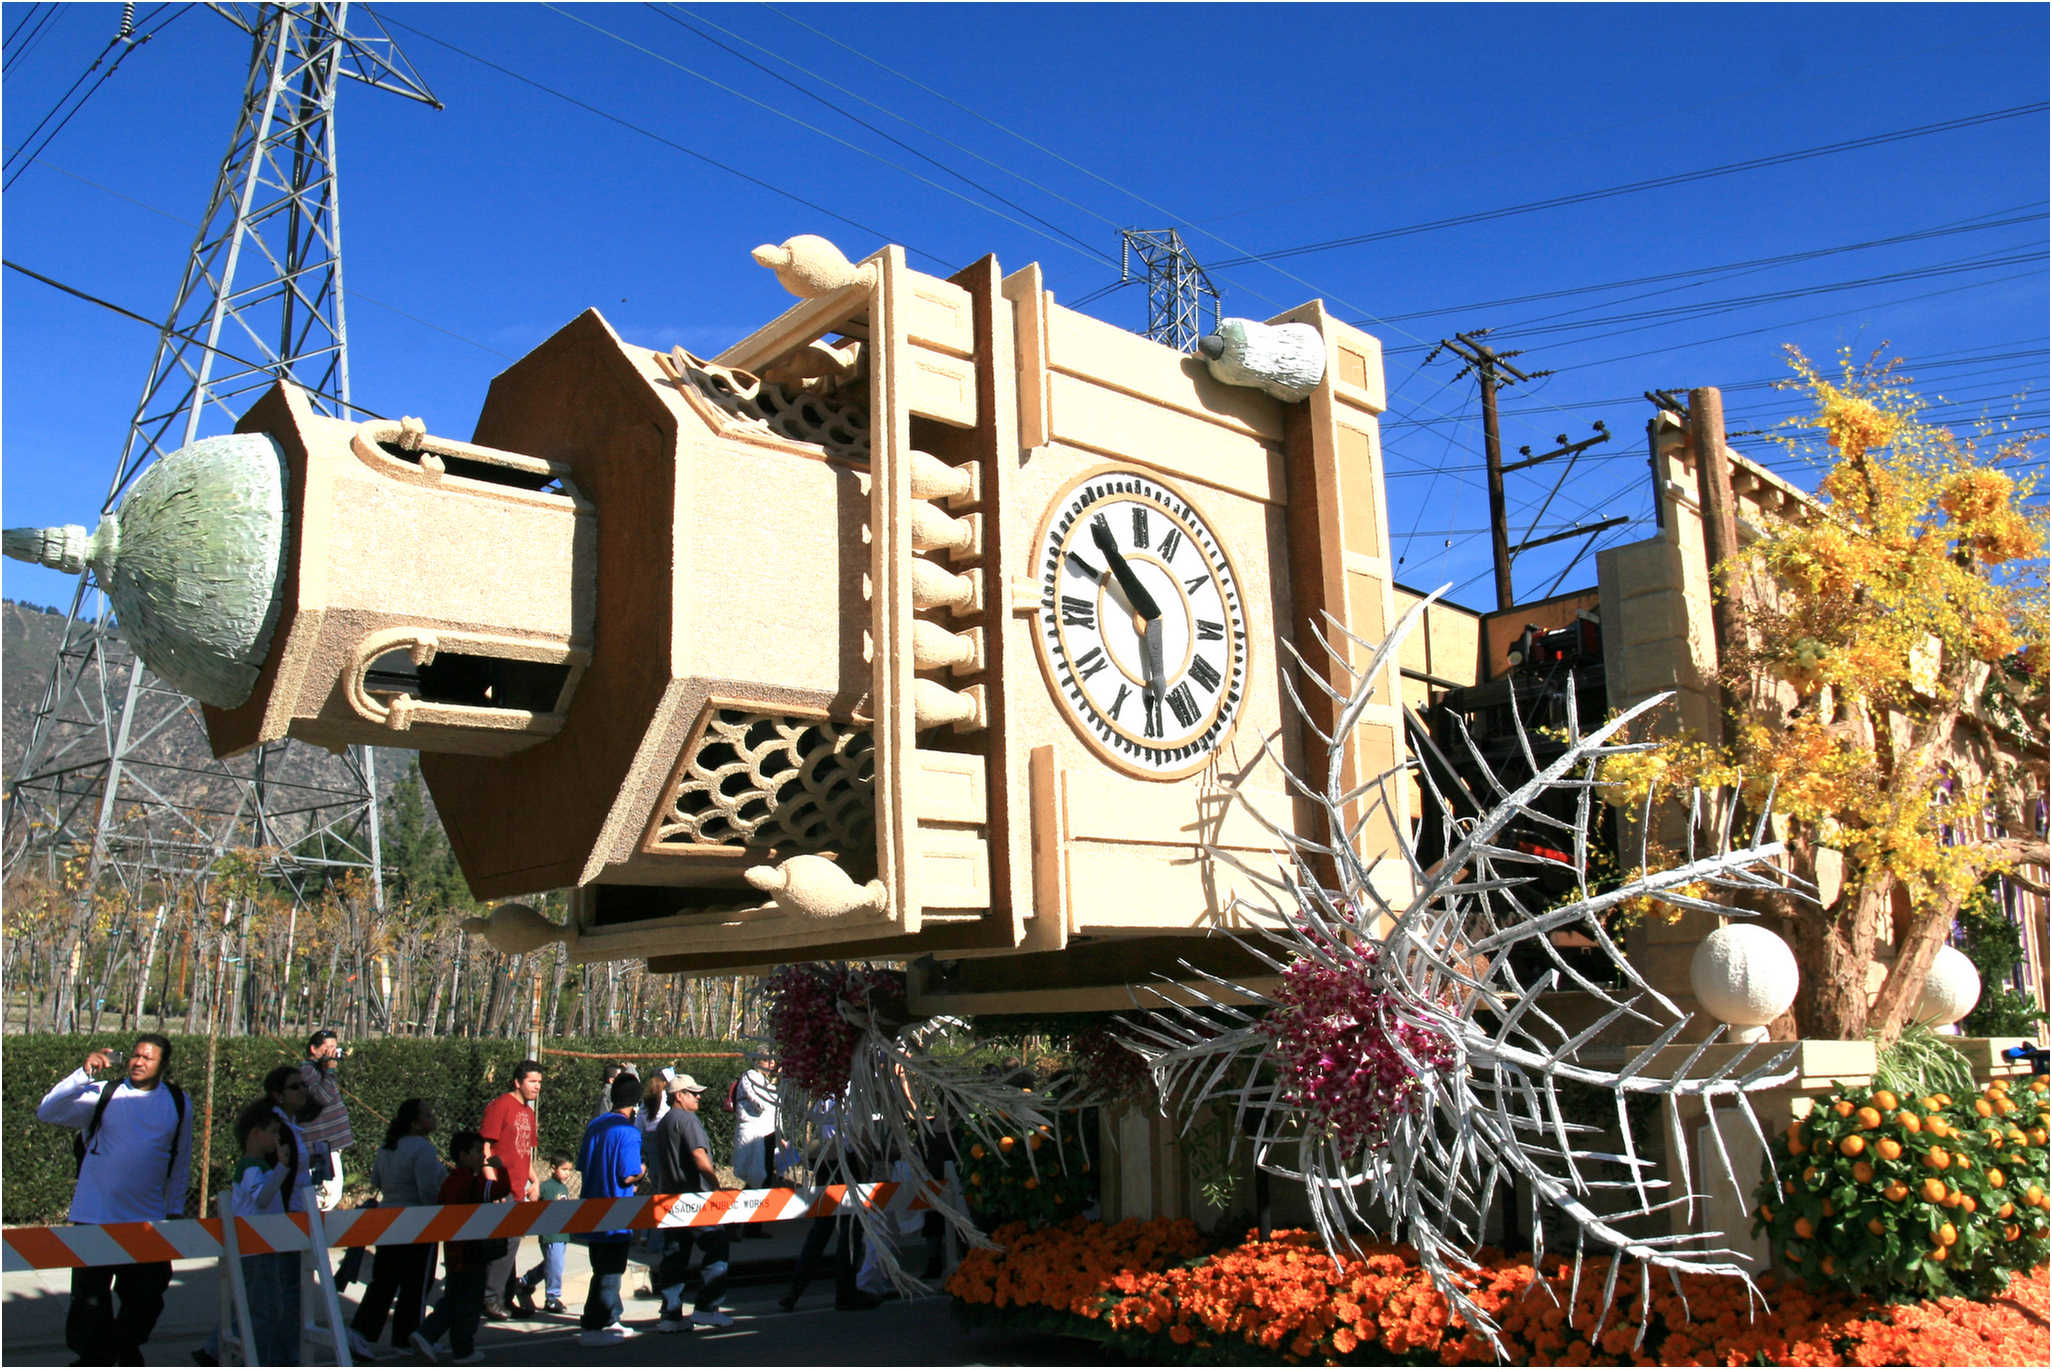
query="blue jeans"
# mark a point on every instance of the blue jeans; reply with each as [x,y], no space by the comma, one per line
[717,1243]
[461,1308]
[272,1282]
[550,1270]
[602,1303]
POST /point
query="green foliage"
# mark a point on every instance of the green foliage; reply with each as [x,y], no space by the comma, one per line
[1920,1063]
[1899,1197]
[1039,1178]
[1209,1154]
[1995,944]
[459,1075]
[420,869]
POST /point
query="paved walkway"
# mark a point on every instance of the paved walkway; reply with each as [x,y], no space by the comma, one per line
[923,1331]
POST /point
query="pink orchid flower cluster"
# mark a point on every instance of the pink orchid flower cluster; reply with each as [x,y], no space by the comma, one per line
[1336,1038]
[814,1037]
[1108,1069]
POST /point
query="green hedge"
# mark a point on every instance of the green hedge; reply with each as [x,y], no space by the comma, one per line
[460,1076]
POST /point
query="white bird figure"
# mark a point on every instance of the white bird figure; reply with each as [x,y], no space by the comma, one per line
[516,929]
[809,265]
[813,886]
[1285,359]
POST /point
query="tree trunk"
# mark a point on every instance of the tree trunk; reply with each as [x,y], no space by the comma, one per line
[455,982]
[142,974]
[433,1014]
[1905,983]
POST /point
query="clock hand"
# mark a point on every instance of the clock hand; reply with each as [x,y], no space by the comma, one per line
[1157,677]
[1136,593]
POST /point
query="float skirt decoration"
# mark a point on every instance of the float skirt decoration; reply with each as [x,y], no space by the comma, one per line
[1155,1291]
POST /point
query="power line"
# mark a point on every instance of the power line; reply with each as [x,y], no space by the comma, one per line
[656,137]
[1756,263]
[44,25]
[128,41]
[822,80]
[1651,183]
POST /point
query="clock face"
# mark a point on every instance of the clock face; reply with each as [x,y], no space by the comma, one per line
[1143,633]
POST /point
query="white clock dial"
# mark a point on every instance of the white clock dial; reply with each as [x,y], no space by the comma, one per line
[1142,631]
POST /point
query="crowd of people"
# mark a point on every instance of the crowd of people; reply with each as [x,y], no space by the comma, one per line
[134,1148]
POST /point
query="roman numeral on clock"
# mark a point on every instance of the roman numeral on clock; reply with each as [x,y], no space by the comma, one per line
[1089,663]
[1078,612]
[1118,701]
[1169,544]
[1183,704]
[1208,631]
[1205,673]
[1139,527]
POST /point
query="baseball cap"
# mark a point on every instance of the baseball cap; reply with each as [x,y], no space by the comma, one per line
[683,1083]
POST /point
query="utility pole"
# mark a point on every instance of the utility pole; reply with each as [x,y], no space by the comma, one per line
[1486,363]
[1573,452]
[1175,285]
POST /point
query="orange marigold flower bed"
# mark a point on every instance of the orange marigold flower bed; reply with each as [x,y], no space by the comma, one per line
[1159,1291]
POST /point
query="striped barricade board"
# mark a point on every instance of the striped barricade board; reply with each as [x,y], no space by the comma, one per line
[69,1247]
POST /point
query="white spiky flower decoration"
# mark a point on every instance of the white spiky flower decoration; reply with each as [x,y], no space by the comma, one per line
[1406,1070]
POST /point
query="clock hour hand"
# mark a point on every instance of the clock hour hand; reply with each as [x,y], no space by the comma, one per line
[1136,593]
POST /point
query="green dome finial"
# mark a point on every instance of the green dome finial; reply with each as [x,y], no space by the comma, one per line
[193,560]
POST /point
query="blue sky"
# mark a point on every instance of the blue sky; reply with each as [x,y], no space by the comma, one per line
[473,232]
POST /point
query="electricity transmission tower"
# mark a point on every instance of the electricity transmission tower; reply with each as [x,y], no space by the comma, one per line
[1176,285]
[107,771]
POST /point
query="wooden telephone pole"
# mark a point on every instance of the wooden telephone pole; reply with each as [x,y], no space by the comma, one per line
[1486,365]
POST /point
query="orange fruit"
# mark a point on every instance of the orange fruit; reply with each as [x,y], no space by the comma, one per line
[1938,1254]
[1007,1143]
[1933,1190]
[1992,1137]
[1796,1144]
[2033,1196]
[2005,1106]
[1863,1173]
[1033,1142]
[1930,1103]
[1983,1107]
[1937,1157]
[1968,1205]
[1842,1108]
[1825,1267]
[1888,1148]
[1938,1126]
[2010,1233]
[1996,1178]
[1804,1229]
[1788,1188]
[2006,1210]
[1766,1212]
[1951,1197]
[1909,1121]
[1948,1234]
[977,1152]
[1797,1254]
[1944,1099]
[1852,1145]
[2038,1082]
[1829,1210]
[1884,1100]
[1810,1174]
[1877,1227]
[1869,1118]
[2037,1136]
[976,1181]
[1032,1182]
[1896,1191]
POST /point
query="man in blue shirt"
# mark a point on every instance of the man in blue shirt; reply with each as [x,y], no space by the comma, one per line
[610,1160]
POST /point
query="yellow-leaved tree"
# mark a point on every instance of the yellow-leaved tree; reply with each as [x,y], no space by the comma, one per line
[1889,682]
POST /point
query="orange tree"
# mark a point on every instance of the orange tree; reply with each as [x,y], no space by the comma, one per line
[1889,680]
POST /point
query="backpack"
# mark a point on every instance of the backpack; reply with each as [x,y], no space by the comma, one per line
[82,1142]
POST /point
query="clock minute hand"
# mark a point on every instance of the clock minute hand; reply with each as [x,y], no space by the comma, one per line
[1136,593]
[1157,676]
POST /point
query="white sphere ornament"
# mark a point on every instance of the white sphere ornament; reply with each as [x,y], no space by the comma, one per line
[1744,975]
[1950,990]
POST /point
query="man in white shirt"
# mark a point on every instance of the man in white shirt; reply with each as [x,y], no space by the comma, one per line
[137,1164]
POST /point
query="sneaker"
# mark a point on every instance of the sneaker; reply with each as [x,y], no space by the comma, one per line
[605,1336]
[711,1317]
[670,1326]
[422,1348]
[363,1349]
[555,1307]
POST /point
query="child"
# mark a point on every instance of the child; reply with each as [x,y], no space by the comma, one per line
[463,1262]
[557,1185]
[271,1281]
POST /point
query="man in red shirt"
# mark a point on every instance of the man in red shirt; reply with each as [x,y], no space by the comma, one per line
[509,1132]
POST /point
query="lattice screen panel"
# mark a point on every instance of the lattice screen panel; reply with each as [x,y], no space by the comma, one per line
[770,781]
